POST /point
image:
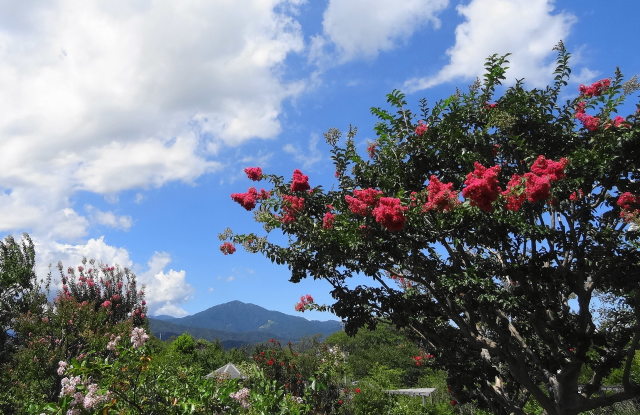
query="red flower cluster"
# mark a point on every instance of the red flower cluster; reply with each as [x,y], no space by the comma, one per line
[248,200]
[535,185]
[372,149]
[328,220]
[630,205]
[254,173]
[300,182]
[304,301]
[227,248]
[364,201]
[441,196]
[291,206]
[390,213]
[422,359]
[589,122]
[553,169]
[576,195]
[489,105]
[482,186]
[421,128]
[595,89]
[402,281]
[617,122]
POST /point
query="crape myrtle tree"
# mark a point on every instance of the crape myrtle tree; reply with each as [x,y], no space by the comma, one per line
[501,232]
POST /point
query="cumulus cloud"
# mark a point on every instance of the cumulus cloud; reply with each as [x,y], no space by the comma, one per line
[109,96]
[165,289]
[363,28]
[528,29]
[109,219]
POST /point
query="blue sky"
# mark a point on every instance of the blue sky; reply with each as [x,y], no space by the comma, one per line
[126,124]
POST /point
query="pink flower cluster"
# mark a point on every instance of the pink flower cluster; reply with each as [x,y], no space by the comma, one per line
[248,200]
[300,182]
[589,122]
[291,206]
[441,196]
[87,401]
[372,149]
[227,248]
[629,205]
[387,211]
[327,220]
[138,337]
[421,128]
[305,300]
[113,342]
[242,397]
[482,187]
[62,367]
[363,201]
[595,89]
[535,185]
[254,173]
[390,213]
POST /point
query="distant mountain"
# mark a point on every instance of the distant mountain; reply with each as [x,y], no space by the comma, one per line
[236,323]
[164,317]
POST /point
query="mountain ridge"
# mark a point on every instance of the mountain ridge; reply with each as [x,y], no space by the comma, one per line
[236,323]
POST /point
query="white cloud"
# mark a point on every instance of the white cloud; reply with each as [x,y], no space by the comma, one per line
[165,289]
[526,28]
[306,157]
[364,28]
[110,96]
[108,218]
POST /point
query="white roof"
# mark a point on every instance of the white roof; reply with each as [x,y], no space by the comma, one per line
[412,392]
[228,371]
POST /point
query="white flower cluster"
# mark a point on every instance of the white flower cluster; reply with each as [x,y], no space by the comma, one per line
[113,342]
[88,400]
[138,337]
[242,396]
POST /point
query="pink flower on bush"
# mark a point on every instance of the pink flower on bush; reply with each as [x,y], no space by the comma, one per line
[441,196]
[538,187]
[242,397]
[227,248]
[489,105]
[372,149]
[482,187]
[138,337]
[421,128]
[328,220]
[630,205]
[617,122]
[246,200]
[515,194]
[106,304]
[553,169]
[363,201]
[300,182]
[305,300]
[390,213]
[595,89]
[590,122]
[62,367]
[253,173]
[291,206]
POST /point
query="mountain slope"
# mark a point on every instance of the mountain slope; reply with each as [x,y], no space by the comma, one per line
[236,321]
